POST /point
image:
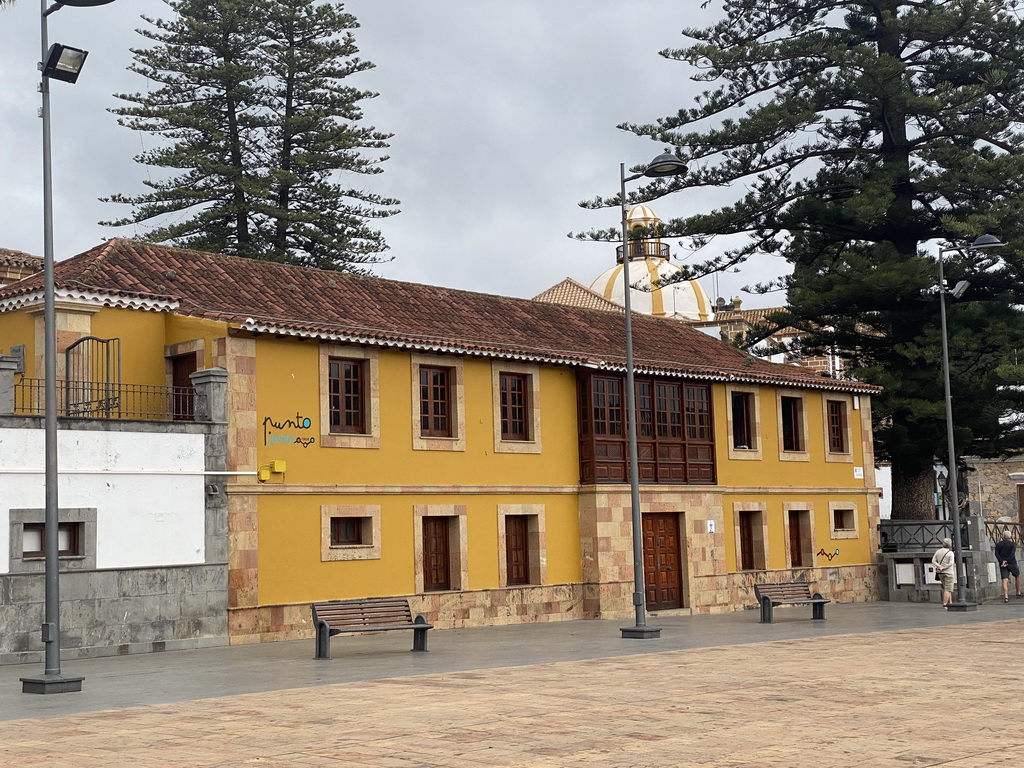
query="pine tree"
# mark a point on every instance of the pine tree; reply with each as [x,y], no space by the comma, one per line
[854,133]
[251,101]
[205,102]
[314,133]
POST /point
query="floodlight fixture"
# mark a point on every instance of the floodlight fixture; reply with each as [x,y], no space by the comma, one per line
[64,63]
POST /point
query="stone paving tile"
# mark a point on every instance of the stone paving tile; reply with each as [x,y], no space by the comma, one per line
[941,696]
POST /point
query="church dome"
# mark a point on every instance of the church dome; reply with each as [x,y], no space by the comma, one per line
[648,265]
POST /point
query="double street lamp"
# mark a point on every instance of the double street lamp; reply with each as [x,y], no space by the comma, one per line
[663,165]
[61,63]
[985,241]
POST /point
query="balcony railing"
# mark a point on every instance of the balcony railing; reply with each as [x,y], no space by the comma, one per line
[918,535]
[642,249]
[100,400]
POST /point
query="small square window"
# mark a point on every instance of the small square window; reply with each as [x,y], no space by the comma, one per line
[69,540]
[348,531]
[844,520]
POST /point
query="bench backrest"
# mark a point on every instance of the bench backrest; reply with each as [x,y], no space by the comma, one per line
[380,612]
[789,590]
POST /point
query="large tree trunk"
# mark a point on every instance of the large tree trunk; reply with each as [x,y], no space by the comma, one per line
[913,494]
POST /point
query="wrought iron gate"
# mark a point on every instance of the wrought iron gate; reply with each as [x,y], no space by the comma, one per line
[92,374]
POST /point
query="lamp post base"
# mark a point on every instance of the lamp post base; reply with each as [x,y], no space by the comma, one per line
[641,633]
[964,606]
[46,683]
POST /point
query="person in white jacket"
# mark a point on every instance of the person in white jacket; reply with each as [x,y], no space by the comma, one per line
[945,570]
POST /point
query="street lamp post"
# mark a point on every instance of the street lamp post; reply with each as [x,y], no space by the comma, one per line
[664,165]
[53,64]
[961,603]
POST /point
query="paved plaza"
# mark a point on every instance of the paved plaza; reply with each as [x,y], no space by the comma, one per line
[879,684]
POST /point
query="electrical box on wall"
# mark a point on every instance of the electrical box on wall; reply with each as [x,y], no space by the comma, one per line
[904,573]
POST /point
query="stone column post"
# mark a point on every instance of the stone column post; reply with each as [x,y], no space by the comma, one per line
[211,386]
[8,367]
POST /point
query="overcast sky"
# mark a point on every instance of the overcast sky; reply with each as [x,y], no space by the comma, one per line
[504,117]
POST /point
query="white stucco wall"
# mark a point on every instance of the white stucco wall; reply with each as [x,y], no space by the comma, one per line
[148,490]
[883,479]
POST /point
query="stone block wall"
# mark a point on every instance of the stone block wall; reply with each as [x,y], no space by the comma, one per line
[109,613]
[990,492]
[445,610]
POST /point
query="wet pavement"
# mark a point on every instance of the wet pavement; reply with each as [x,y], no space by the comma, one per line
[875,684]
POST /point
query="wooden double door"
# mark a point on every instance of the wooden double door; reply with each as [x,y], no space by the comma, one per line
[663,562]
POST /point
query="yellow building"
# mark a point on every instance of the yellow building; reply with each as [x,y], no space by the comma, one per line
[469,451]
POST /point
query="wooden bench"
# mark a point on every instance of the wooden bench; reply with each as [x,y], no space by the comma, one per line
[788,593]
[372,614]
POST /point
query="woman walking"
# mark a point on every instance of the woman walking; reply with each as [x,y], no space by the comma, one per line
[945,570]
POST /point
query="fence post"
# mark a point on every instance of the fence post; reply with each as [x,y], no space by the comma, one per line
[8,367]
[977,534]
[211,386]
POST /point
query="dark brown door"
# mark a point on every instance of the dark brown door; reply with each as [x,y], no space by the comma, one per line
[436,562]
[517,549]
[796,552]
[746,541]
[182,403]
[663,578]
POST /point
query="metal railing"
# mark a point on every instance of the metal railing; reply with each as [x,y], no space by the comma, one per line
[101,400]
[918,535]
[994,531]
[640,249]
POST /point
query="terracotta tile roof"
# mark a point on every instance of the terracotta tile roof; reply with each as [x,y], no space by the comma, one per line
[267,297]
[573,294]
[14,265]
[20,258]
